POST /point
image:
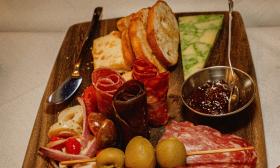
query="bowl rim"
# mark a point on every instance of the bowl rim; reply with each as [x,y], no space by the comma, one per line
[226,114]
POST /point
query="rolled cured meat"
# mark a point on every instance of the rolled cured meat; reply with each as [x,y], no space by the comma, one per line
[130,104]
[106,82]
[156,85]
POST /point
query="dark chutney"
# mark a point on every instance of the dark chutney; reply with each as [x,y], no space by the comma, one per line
[210,98]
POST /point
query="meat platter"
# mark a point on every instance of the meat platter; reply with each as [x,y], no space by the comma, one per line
[248,124]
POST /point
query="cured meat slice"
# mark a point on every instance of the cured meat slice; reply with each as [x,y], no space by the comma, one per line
[95,121]
[156,85]
[200,137]
[157,89]
[102,128]
[143,70]
[130,104]
[107,134]
[59,155]
[86,136]
[106,82]
[89,98]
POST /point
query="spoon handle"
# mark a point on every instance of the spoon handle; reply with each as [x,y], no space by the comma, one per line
[92,32]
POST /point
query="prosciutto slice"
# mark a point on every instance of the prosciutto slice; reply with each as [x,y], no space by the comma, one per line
[200,137]
[130,104]
[156,85]
[86,136]
[106,82]
[59,155]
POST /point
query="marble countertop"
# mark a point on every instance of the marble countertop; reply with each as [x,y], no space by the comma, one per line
[26,60]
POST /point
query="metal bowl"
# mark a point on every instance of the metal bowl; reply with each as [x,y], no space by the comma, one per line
[244,83]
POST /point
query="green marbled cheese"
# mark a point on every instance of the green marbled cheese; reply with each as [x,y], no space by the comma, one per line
[197,37]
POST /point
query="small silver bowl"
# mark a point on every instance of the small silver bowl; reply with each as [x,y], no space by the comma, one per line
[245,84]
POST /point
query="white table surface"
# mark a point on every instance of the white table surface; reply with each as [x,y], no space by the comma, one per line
[26,60]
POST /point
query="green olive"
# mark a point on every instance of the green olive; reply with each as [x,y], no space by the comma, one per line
[171,153]
[139,153]
[110,157]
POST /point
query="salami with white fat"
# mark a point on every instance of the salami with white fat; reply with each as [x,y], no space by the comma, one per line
[106,82]
[156,85]
[200,137]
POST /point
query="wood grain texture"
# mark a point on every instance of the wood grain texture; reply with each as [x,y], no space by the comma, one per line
[247,124]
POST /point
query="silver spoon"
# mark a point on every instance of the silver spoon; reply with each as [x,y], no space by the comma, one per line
[71,84]
[232,78]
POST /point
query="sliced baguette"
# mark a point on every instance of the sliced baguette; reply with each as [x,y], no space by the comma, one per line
[163,33]
[123,23]
[107,52]
[138,38]
[127,49]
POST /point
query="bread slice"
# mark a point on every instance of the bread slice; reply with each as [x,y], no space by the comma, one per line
[123,23]
[107,52]
[127,49]
[138,38]
[163,33]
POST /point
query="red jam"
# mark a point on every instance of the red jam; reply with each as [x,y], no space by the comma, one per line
[210,98]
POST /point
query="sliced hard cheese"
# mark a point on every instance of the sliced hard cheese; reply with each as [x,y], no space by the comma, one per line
[107,52]
[127,75]
[197,36]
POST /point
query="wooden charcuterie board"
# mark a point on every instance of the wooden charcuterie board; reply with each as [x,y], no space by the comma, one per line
[248,124]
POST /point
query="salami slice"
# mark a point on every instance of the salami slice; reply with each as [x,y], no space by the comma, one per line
[143,70]
[95,121]
[107,134]
[196,138]
[89,98]
[106,82]
[156,85]
[130,104]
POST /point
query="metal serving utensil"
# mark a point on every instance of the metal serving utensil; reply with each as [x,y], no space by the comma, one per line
[71,84]
[232,78]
